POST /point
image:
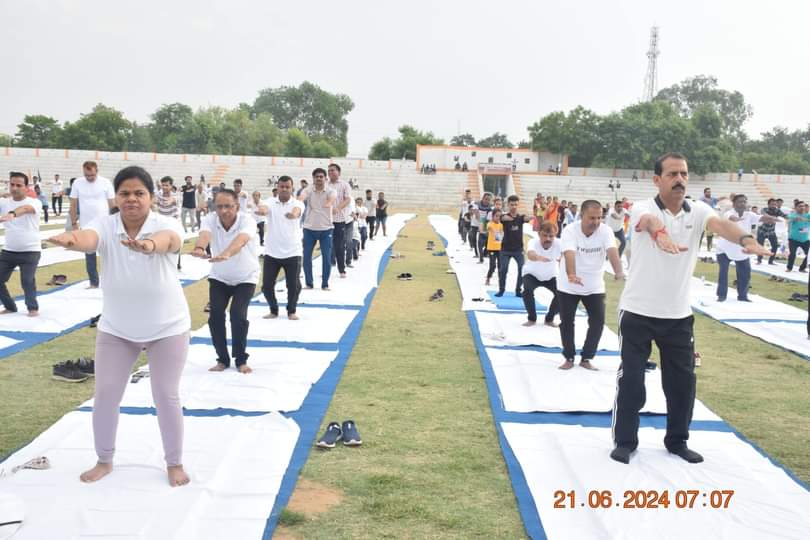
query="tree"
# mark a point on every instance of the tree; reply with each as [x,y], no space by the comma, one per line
[496,140]
[382,150]
[576,134]
[297,144]
[322,149]
[409,137]
[104,128]
[464,139]
[318,114]
[169,125]
[702,90]
[38,131]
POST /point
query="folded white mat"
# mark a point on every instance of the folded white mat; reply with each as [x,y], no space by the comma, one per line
[704,299]
[281,380]
[788,335]
[58,311]
[506,329]
[236,465]
[766,502]
[315,325]
[530,381]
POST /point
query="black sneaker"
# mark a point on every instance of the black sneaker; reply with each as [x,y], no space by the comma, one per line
[350,435]
[94,321]
[330,437]
[86,365]
[68,372]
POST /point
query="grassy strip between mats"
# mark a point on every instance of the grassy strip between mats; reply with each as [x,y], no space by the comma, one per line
[430,465]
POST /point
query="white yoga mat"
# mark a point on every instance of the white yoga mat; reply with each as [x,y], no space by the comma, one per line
[704,299]
[766,502]
[315,325]
[236,465]
[6,342]
[506,329]
[788,335]
[58,311]
[281,380]
[530,381]
[193,268]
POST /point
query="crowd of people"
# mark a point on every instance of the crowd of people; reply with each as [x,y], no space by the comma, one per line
[568,256]
[138,227]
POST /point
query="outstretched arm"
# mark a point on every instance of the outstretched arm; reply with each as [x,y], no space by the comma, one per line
[733,233]
[237,244]
[85,240]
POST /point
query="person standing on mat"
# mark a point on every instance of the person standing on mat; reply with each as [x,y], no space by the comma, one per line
[494,239]
[144,309]
[382,214]
[57,192]
[585,245]
[767,228]
[511,246]
[654,306]
[731,251]
[371,208]
[798,235]
[231,233]
[341,221]
[319,199]
[541,271]
[96,197]
[283,248]
[20,216]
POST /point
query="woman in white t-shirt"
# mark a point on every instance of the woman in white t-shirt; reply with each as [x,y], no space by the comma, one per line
[144,309]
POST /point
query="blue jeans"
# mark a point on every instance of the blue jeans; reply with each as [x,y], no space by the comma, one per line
[622,240]
[324,239]
[503,269]
[743,277]
[92,268]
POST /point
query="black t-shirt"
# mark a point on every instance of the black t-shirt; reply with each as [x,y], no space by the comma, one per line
[770,228]
[189,200]
[513,234]
[382,208]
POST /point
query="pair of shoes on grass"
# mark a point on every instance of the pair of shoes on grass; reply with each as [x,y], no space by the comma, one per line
[438,295]
[405,276]
[57,279]
[336,432]
[74,371]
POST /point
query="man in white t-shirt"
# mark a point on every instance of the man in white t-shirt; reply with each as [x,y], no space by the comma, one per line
[615,220]
[585,245]
[371,209]
[57,192]
[20,216]
[362,221]
[731,251]
[233,277]
[283,247]
[655,306]
[540,270]
[96,197]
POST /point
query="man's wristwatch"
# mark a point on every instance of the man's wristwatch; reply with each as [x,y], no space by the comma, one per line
[13,213]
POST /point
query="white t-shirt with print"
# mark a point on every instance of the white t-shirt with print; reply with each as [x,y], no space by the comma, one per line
[543,271]
[590,252]
[143,299]
[242,267]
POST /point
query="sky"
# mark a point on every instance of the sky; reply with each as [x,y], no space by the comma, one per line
[444,66]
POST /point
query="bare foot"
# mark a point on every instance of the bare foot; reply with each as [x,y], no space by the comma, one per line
[551,324]
[244,368]
[292,316]
[177,476]
[270,316]
[33,313]
[96,473]
[219,367]
[529,323]
[92,287]
[6,312]
[343,275]
[568,364]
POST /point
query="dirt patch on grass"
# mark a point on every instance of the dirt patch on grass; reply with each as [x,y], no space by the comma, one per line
[311,498]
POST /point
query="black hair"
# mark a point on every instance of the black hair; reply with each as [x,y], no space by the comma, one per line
[369,191]
[590,203]
[318,171]
[228,191]
[16,174]
[238,181]
[168,179]
[660,161]
[188,178]
[513,198]
[774,200]
[617,202]
[136,173]
[738,196]
[285,178]
[335,165]
[706,189]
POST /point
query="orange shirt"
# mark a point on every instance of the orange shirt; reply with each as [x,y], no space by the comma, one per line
[551,212]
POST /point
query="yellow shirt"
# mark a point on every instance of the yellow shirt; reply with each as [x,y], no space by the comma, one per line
[495,236]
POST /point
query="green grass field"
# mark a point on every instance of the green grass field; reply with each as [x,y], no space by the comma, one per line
[431,466]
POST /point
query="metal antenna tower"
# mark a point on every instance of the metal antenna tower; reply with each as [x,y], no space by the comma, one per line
[651,79]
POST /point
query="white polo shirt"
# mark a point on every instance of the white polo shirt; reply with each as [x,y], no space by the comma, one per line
[590,254]
[616,224]
[143,298]
[284,235]
[22,233]
[56,187]
[543,271]
[93,198]
[746,222]
[658,283]
[242,267]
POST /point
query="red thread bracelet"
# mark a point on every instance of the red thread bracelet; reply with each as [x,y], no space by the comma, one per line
[659,231]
